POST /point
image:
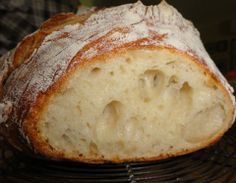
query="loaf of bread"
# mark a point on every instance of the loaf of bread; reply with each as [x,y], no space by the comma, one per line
[128,83]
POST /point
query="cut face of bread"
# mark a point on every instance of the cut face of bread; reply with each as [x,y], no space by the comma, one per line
[139,104]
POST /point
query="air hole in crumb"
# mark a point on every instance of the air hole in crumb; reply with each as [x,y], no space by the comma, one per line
[186,94]
[214,87]
[96,70]
[47,140]
[112,112]
[211,85]
[173,80]
[82,140]
[93,148]
[146,100]
[66,138]
[68,130]
[186,88]
[78,108]
[52,148]
[111,73]
[88,125]
[128,60]
[152,78]
[134,119]
[170,62]
[46,124]
[203,130]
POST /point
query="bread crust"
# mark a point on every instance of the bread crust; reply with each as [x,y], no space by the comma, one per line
[31,42]
[27,109]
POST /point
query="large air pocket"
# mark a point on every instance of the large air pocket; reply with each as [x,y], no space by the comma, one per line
[204,124]
[151,84]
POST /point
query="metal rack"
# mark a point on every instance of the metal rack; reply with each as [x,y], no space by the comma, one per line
[216,164]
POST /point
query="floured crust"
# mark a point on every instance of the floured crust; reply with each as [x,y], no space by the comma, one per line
[44,60]
[26,47]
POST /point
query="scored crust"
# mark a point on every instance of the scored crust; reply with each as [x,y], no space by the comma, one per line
[44,61]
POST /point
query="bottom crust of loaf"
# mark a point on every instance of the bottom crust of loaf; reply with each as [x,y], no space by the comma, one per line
[140,104]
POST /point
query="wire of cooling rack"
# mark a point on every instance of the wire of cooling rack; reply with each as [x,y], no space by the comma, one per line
[216,164]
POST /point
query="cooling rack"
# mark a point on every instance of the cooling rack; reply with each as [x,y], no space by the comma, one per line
[216,164]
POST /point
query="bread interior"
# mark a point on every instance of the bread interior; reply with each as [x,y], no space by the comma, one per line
[136,104]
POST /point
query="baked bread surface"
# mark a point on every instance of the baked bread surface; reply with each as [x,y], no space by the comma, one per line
[127,83]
